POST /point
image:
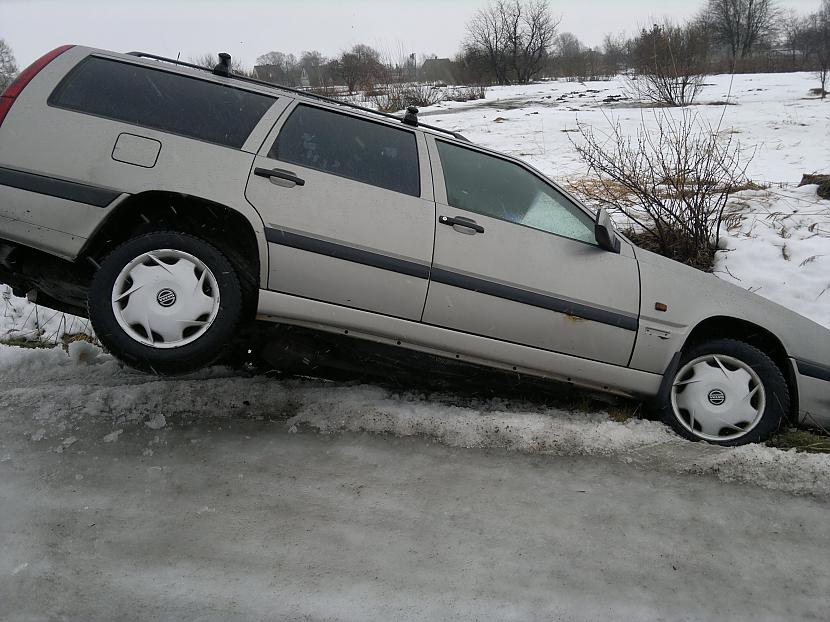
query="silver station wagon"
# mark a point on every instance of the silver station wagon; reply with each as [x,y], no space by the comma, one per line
[172,204]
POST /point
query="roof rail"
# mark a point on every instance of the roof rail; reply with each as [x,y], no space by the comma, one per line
[332,100]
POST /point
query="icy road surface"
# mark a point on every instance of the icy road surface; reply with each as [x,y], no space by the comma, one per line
[217,497]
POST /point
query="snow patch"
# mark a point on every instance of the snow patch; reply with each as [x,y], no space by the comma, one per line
[157,422]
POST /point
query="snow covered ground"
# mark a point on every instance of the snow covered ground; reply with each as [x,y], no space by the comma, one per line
[772,115]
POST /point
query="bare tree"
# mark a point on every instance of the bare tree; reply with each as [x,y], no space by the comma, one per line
[819,29]
[796,38]
[570,56]
[740,24]
[278,67]
[487,35]
[8,66]
[672,181]
[615,52]
[361,67]
[530,36]
[515,37]
[670,63]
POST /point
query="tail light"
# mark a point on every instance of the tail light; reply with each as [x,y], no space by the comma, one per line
[13,90]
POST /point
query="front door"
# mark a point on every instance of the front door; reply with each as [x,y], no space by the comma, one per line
[516,260]
[348,210]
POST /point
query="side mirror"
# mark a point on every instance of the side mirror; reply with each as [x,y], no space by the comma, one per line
[605,233]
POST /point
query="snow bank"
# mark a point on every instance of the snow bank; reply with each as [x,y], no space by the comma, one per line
[21,319]
[645,443]
[779,248]
[89,398]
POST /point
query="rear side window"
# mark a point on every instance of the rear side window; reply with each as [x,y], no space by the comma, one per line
[335,143]
[161,100]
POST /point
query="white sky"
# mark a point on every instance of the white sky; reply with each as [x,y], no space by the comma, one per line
[248,28]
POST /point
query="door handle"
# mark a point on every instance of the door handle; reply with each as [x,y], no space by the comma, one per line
[281,174]
[460,221]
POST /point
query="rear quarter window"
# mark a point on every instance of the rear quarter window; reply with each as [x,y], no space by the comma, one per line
[162,100]
[339,144]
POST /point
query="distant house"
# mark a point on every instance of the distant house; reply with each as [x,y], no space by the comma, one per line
[438,70]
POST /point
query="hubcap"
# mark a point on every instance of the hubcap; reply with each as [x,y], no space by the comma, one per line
[718,397]
[165,298]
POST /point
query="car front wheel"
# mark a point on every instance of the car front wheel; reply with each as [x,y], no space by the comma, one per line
[165,302]
[725,392]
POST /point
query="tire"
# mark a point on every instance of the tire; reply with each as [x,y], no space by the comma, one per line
[165,302]
[725,392]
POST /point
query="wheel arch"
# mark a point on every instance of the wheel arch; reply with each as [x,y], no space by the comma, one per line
[225,227]
[722,326]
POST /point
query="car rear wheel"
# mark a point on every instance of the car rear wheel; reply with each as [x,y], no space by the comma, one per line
[165,302]
[726,392]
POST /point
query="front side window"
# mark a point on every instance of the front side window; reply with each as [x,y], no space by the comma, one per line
[487,185]
[162,100]
[343,145]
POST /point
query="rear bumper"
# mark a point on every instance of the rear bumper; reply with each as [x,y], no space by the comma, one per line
[813,392]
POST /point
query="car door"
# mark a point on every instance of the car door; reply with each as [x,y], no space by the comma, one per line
[348,209]
[516,260]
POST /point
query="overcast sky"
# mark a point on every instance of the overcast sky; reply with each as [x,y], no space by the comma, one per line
[248,28]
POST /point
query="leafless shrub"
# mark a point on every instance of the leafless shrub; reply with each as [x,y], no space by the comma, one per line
[211,60]
[394,97]
[465,93]
[398,96]
[672,181]
[670,64]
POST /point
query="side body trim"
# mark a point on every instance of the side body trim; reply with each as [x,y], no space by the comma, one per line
[543,301]
[453,279]
[70,190]
[346,253]
[813,370]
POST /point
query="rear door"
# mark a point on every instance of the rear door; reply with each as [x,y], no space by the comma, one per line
[516,260]
[348,209]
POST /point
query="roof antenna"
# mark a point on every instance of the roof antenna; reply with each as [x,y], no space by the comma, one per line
[411,116]
[224,66]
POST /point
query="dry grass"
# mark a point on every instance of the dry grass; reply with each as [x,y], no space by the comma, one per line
[807,441]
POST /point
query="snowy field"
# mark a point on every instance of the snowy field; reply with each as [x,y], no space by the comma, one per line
[222,496]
